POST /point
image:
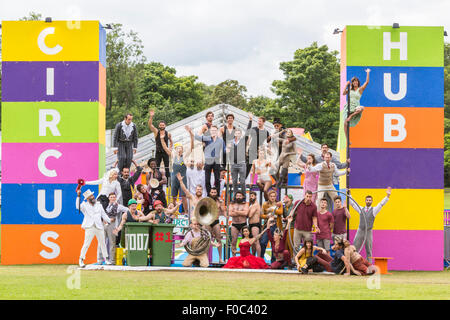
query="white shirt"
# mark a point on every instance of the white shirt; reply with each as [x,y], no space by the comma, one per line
[320,166]
[365,209]
[108,187]
[93,214]
[194,178]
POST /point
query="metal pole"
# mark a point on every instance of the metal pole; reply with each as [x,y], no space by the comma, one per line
[347,157]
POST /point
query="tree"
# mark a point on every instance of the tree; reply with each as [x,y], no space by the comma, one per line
[265,106]
[229,92]
[310,92]
[173,98]
[124,61]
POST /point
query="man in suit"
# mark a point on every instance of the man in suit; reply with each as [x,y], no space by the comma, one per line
[125,141]
[92,224]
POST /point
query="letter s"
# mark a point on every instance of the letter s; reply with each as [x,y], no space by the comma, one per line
[55,248]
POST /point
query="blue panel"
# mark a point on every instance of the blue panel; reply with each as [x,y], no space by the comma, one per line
[425,86]
[294,179]
[102,45]
[20,203]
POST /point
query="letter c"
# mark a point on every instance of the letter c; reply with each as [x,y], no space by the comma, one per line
[41,162]
[41,42]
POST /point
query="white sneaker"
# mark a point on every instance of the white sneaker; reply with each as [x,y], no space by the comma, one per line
[81,263]
[108,263]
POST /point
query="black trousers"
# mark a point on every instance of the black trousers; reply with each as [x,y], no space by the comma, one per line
[165,157]
[216,168]
[125,154]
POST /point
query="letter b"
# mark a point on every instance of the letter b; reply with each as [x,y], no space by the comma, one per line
[390,127]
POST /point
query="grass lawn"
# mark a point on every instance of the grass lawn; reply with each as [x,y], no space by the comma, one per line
[49,282]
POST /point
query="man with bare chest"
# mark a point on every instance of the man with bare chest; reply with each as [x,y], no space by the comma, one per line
[238,211]
[193,198]
[214,228]
[254,221]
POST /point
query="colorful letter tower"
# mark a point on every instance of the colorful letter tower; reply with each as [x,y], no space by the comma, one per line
[53,133]
[399,140]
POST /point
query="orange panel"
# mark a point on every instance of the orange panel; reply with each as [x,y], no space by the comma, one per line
[29,244]
[424,128]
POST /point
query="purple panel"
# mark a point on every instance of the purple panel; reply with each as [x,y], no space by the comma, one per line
[398,168]
[27,81]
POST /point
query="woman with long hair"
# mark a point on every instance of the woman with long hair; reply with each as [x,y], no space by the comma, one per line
[304,260]
[311,178]
[356,109]
[278,242]
[261,167]
[246,260]
[109,185]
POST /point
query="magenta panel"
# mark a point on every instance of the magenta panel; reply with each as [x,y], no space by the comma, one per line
[49,162]
[410,249]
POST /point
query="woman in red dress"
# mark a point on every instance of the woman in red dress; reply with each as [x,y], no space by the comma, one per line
[246,260]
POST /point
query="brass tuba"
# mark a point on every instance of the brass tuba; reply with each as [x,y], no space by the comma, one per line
[205,212]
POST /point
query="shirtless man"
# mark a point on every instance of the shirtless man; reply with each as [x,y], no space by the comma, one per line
[238,211]
[254,222]
[193,199]
[358,264]
[214,228]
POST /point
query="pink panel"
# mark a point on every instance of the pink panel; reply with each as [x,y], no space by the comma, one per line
[76,160]
[410,249]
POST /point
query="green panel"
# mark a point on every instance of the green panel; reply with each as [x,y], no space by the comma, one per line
[425,46]
[79,122]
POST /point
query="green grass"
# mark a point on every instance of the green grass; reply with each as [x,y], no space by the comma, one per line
[49,282]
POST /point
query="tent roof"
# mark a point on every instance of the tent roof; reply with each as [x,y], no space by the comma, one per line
[146,144]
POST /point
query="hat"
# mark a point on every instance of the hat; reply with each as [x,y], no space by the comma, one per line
[157,202]
[276,121]
[290,196]
[87,194]
[131,201]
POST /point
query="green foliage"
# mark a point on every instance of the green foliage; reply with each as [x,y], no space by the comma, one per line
[309,92]
[32,16]
[229,92]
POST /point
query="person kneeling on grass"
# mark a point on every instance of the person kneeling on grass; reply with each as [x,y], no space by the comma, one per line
[359,265]
[305,259]
[336,265]
[278,242]
[192,238]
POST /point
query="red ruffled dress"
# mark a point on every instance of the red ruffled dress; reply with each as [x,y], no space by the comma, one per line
[246,260]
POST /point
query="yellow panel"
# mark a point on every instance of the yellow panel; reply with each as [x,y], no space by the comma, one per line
[101,124]
[407,209]
[66,42]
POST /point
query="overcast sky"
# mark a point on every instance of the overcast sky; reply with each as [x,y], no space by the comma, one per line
[235,39]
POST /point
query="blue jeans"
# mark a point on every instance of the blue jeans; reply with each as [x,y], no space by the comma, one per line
[264,240]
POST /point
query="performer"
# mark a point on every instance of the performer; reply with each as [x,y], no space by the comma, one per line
[214,228]
[306,219]
[366,220]
[134,215]
[257,136]
[179,166]
[193,198]
[355,108]
[303,259]
[288,206]
[125,141]
[191,238]
[127,182]
[143,198]
[161,135]
[92,224]
[271,208]
[227,133]
[311,178]
[238,211]
[254,222]
[195,175]
[155,173]
[359,266]
[278,243]
[325,222]
[160,214]
[109,185]
[326,171]
[236,153]
[213,149]
[261,167]
[340,215]
[204,130]
[245,259]
[114,211]
[287,151]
